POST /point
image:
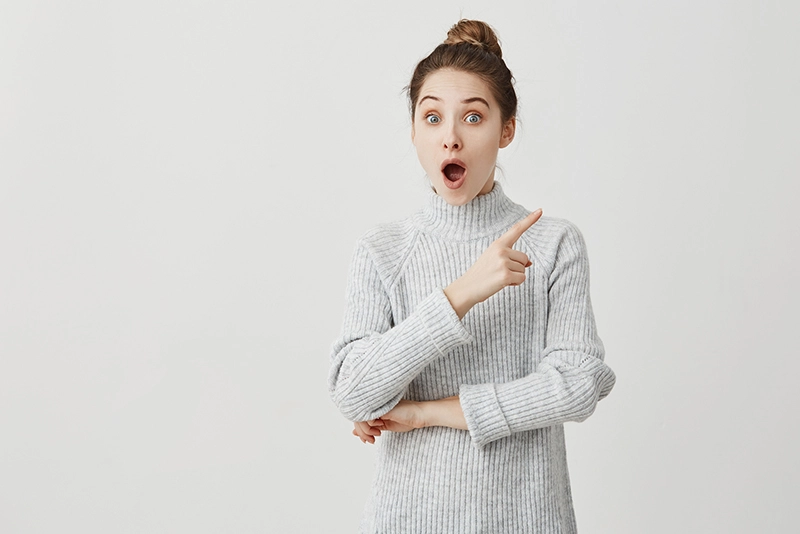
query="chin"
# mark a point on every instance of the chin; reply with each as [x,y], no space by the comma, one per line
[459,197]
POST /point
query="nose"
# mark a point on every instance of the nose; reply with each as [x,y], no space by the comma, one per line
[452,139]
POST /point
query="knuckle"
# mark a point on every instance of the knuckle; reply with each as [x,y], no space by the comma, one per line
[514,278]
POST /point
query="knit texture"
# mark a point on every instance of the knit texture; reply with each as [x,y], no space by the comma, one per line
[523,362]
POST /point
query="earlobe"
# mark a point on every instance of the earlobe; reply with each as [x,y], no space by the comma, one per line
[509,129]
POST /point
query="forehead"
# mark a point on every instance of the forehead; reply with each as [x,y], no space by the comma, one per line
[454,85]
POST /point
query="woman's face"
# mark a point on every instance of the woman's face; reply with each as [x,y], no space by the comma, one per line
[458,130]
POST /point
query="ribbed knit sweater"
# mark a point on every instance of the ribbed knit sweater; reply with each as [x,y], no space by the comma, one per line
[523,362]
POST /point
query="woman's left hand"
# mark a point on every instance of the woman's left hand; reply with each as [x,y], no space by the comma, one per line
[366,432]
[410,415]
[407,415]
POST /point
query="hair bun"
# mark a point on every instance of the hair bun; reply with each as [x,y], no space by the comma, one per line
[475,33]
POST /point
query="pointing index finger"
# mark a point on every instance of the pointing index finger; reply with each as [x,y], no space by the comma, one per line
[514,233]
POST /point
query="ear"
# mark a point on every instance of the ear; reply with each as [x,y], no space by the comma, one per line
[412,132]
[507,135]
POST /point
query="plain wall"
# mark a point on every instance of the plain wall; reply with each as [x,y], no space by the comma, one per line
[182,185]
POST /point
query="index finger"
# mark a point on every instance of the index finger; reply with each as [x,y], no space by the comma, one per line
[514,233]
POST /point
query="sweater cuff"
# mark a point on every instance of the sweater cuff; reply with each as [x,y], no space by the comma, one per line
[485,419]
[442,323]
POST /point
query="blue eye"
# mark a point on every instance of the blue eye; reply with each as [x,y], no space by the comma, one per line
[432,119]
[473,118]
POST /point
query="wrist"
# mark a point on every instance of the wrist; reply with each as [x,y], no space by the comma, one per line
[459,298]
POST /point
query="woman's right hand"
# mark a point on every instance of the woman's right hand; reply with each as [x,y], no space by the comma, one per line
[499,266]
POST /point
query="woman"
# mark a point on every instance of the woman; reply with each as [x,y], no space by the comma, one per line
[463,354]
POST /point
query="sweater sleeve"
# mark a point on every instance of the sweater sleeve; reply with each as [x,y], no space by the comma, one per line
[570,378]
[374,360]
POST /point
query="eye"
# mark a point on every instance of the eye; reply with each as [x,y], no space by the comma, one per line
[473,118]
[432,119]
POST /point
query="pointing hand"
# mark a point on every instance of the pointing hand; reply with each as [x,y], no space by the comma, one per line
[499,266]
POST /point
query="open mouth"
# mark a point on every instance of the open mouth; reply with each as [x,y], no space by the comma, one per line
[454,172]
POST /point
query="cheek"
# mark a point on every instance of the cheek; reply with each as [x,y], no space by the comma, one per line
[488,148]
[423,146]
[424,154]
[487,155]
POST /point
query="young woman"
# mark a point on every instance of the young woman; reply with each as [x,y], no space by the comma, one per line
[468,336]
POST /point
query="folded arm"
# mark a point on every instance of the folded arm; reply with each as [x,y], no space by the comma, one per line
[374,360]
[570,378]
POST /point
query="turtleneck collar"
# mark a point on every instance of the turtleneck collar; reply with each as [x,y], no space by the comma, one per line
[485,215]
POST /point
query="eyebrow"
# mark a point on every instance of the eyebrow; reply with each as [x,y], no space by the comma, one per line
[467,101]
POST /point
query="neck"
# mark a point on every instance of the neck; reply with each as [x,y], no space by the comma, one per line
[485,215]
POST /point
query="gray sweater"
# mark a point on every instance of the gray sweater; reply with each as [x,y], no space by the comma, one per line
[523,362]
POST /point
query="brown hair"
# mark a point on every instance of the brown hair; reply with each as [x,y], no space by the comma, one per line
[471,46]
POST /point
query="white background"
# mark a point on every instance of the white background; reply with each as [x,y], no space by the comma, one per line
[182,185]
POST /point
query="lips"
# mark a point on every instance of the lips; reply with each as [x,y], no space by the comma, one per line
[454,169]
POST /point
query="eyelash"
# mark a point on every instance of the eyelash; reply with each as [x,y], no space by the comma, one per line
[429,115]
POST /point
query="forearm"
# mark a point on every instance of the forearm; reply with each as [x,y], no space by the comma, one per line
[369,374]
[444,412]
[564,388]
